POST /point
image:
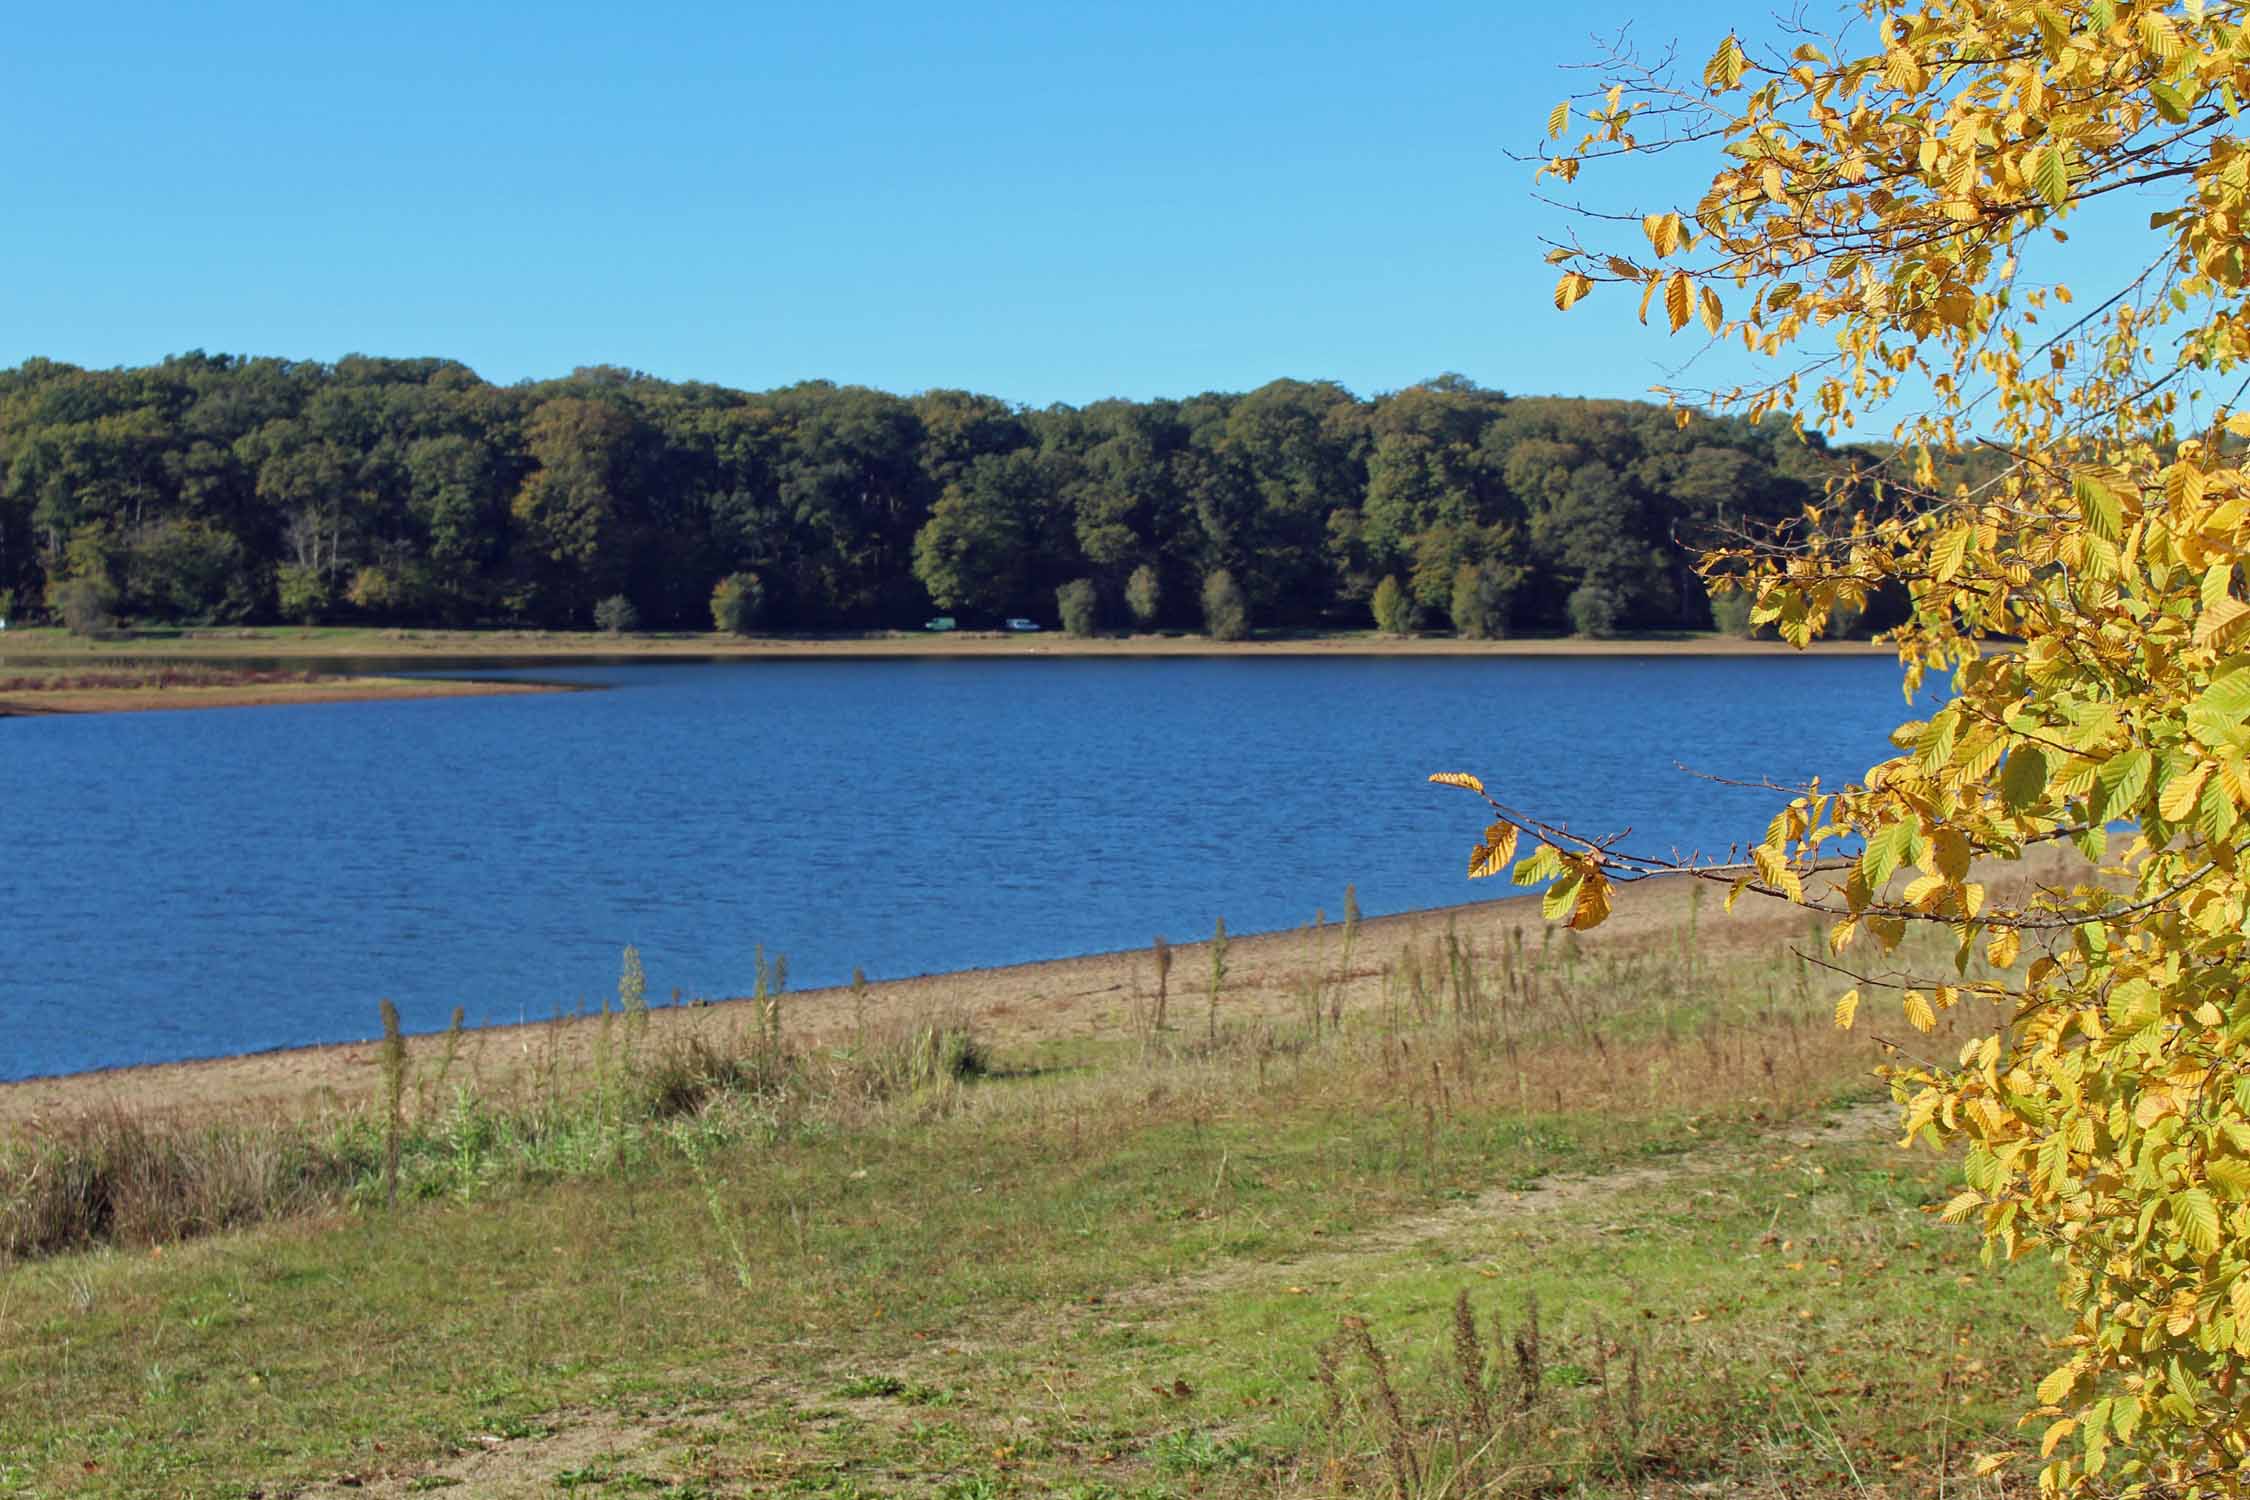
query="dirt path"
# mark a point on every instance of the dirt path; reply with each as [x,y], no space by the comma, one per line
[663,1442]
[1861,1124]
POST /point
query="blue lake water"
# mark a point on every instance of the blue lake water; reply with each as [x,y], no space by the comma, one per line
[194,884]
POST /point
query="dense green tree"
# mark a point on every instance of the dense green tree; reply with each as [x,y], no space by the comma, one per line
[1079,605]
[1226,613]
[616,615]
[216,487]
[1596,609]
[1427,470]
[1482,594]
[1394,608]
[990,538]
[1128,508]
[738,604]
[86,606]
[852,487]
[570,507]
[183,569]
[1144,595]
[1302,448]
[960,427]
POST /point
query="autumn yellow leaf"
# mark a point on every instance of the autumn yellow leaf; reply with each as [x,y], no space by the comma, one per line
[1918,1012]
[2053,529]
[2003,947]
[1568,291]
[1846,1009]
[1492,856]
[1592,905]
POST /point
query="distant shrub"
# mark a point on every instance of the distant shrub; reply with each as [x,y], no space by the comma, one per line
[1481,597]
[393,592]
[1396,613]
[88,606]
[1144,595]
[616,615]
[303,594]
[1730,613]
[1844,619]
[1079,603]
[738,604]
[1596,610]
[1226,613]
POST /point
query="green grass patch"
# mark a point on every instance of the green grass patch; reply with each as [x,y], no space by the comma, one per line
[1181,1265]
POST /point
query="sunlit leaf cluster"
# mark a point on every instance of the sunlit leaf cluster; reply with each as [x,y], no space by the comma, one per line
[1877,202]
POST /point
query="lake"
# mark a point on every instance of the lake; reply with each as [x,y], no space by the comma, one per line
[196,884]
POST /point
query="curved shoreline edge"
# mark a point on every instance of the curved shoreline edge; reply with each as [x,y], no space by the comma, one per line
[1039,978]
[67,701]
[1084,998]
[285,643]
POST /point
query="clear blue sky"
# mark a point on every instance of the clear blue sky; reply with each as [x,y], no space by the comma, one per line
[1043,202]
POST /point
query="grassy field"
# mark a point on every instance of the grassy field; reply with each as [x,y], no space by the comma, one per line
[1499,1218]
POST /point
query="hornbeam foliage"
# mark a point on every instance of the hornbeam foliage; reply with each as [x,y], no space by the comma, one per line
[1874,220]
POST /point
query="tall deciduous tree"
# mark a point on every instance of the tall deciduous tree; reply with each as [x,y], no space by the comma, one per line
[1886,192]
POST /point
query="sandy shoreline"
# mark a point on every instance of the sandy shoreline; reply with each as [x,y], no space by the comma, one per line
[534,645]
[99,700]
[1053,1000]
[499,648]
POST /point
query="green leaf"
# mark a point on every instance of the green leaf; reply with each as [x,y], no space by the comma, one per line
[1934,746]
[1950,551]
[2198,1218]
[2051,174]
[1884,853]
[1561,898]
[1538,865]
[2230,1174]
[2135,1005]
[2227,698]
[2122,779]
[2169,102]
[2023,780]
[2103,515]
[2215,812]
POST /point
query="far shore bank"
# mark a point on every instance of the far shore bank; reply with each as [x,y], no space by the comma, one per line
[1095,996]
[286,642]
[31,703]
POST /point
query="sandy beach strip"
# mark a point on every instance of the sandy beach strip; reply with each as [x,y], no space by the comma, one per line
[1095,996]
[113,700]
[541,645]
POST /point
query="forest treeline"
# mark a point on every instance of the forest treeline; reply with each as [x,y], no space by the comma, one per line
[218,489]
